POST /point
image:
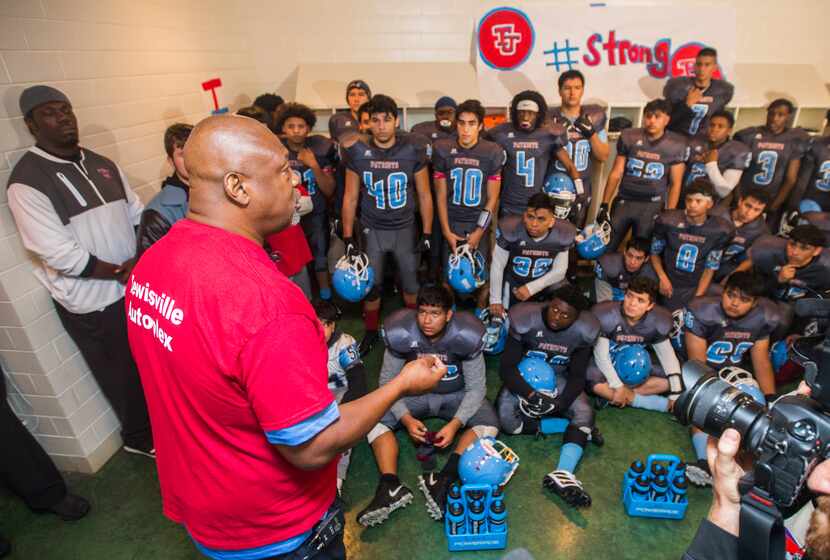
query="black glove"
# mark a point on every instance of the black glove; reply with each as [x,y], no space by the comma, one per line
[539,404]
[584,125]
[351,247]
[424,245]
[602,214]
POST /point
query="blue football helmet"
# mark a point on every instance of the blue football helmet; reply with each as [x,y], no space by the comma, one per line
[743,380]
[495,334]
[353,277]
[632,363]
[778,354]
[466,269]
[592,241]
[487,461]
[560,187]
[540,375]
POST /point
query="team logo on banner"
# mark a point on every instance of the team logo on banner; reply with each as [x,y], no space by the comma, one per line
[683,61]
[505,38]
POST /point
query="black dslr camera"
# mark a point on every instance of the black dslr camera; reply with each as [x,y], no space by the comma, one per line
[787,440]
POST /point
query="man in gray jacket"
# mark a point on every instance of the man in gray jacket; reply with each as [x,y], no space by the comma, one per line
[76,212]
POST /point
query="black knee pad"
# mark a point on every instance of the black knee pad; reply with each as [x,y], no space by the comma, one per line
[574,435]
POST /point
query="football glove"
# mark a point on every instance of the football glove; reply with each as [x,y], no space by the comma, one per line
[584,125]
[424,245]
[602,214]
[540,404]
[351,247]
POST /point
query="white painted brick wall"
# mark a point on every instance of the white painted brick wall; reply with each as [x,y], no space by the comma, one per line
[131,68]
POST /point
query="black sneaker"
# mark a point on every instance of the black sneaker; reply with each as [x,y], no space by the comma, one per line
[369,340]
[596,437]
[435,486]
[389,497]
[71,508]
[565,485]
[699,474]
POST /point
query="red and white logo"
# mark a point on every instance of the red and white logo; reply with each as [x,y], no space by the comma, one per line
[683,61]
[505,38]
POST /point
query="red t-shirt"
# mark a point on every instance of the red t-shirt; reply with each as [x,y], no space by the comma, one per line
[228,349]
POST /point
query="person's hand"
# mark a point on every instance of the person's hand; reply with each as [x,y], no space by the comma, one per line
[585,126]
[421,375]
[122,272]
[693,96]
[417,430]
[726,473]
[351,247]
[475,238]
[786,274]
[819,479]
[453,240]
[602,214]
[665,286]
[623,396]
[522,293]
[711,155]
[496,310]
[424,245]
[307,158]
[446,435]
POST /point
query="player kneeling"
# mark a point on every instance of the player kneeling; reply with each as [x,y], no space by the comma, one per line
[459,398]
[560,333]
[347,375]
[621,371]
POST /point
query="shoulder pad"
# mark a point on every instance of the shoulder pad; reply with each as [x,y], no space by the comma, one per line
[319,144]
[772,314]
[706,309]
[671,218]
[525,317]
[662,319]
[607,313]
[676,86]
[510,227]
[397,330]
[468,334]
[611,264]
[590,328]
[354,144]
[442,147]
[565,231]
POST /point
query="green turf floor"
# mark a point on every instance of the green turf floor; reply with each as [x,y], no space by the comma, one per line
[126,521]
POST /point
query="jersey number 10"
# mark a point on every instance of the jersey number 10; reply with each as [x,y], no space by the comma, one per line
[466,186]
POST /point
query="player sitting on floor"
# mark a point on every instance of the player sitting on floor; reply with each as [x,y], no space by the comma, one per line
[347,375]
[459,398]
[636,320]
[562,333]
[614,271]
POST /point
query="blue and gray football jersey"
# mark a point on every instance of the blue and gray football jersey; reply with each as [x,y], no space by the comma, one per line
[462,340]
[579,147]
[387,181]
[771,154]
[648,164]
[530,259]
[769,254]
[745,236]
[610,268]
[432,132]
[688,249]
[527,326]
[815,170]
[467,171]
[528,157]
[344,354]
[728,339]
[653,328]
[731,155]
[694,120]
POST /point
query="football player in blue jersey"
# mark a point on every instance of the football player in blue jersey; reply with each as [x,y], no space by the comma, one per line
[648,172]
[716,157]
[614,271]
[561,332]
[385,175]
[347,375]
[587,137]
[531,255]
[343,122]
[459,399]
[314,157]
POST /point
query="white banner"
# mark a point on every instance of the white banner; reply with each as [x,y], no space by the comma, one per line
[625,52]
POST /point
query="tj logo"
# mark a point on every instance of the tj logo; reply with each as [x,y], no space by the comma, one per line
[506,38]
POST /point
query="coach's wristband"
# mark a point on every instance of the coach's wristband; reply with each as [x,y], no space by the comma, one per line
[483,219]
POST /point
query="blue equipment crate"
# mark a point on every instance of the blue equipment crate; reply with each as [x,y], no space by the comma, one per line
[483,540]
[649,508]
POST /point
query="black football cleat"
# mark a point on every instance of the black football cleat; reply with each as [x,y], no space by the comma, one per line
[71,508]
[435,486]
[565,485]
[389,496]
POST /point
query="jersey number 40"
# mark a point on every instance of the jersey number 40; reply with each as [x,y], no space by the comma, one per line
[390,193]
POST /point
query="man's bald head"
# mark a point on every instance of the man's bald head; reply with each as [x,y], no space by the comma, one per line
[239,175]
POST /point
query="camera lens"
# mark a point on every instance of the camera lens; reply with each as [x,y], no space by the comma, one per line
[712,405]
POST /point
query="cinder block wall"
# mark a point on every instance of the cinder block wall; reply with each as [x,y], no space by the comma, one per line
[130,69]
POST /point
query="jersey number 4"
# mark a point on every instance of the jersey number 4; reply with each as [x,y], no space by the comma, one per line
[390,193]
[526,167]
[466,186]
